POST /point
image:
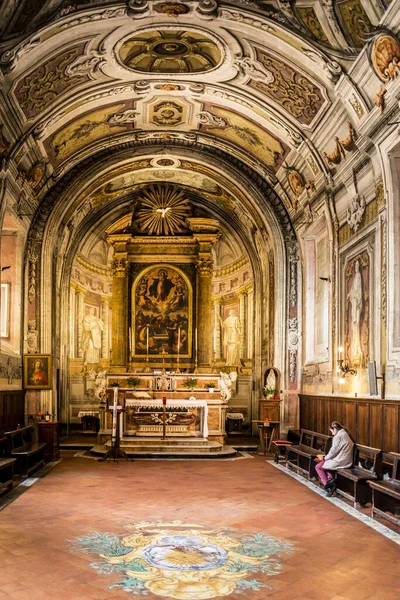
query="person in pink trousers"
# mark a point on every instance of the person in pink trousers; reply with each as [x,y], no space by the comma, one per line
[340,456]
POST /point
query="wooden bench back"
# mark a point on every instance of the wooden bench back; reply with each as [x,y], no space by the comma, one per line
[315,440]
[368,458]
[19,437]
[393,459]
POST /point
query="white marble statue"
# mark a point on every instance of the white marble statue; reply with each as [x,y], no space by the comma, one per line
[225,383]
[355,296]
[92,327]
[231,328]
[100,386]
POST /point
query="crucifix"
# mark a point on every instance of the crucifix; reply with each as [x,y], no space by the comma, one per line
[115,452]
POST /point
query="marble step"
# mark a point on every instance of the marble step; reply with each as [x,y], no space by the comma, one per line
[160,447]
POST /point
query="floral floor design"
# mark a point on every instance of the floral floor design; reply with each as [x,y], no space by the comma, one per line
[184,561]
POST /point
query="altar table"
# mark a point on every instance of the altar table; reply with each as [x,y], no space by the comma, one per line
[158,405]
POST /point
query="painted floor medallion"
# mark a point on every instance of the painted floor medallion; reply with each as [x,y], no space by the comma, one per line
[184,561]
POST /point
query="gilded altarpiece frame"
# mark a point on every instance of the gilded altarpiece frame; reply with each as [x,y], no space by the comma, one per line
[357,343]
[162,312]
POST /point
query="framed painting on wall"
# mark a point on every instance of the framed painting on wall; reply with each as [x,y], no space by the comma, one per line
[37,371]
[5,310]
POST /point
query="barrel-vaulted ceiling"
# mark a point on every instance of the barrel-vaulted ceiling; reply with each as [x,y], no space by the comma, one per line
[102,97]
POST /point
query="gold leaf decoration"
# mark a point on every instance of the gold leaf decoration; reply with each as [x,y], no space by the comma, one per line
[162,211]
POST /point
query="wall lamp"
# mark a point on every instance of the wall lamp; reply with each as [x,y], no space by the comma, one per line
[344,368]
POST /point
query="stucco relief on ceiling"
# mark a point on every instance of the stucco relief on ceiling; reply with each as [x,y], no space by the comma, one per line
[291,89]
[169,51]
[45,84]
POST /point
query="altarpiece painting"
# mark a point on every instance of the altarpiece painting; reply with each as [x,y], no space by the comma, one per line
[162,312]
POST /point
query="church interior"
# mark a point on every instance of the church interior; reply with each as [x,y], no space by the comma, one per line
[199,249]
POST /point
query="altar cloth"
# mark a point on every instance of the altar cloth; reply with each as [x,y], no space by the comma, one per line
[190,403]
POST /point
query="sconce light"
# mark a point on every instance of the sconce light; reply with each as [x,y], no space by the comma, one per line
[344,368]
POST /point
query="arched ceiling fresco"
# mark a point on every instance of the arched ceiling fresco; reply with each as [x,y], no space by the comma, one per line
[262,83]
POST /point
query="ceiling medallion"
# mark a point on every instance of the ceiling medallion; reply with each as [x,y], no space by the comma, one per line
[169,51]
[162,210]
[385,57]
[172,9]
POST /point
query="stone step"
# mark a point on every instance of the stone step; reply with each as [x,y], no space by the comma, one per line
[170,453]
[178,448]
[169,441]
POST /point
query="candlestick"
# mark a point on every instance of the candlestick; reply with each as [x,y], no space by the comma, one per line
[179,347]
[147,339]
[130,343]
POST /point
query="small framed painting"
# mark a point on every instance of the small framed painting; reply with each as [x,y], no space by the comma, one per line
[37,371]
[5,310]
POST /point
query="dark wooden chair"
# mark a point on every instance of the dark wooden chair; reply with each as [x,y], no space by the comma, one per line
[301,457]
[28,453]
[352,483]
[386,493]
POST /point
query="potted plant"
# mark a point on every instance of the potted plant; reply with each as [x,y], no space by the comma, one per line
[114,384]
[210,386]
[190,383]
[268,392]
[133,382]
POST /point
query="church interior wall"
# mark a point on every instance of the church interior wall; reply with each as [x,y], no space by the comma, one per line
[327,169]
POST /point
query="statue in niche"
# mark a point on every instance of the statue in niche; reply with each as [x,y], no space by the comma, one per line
[271,380]
[355,296]
[92,327]
[231,328]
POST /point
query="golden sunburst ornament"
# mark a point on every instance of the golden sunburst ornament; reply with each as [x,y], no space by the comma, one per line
[162,211]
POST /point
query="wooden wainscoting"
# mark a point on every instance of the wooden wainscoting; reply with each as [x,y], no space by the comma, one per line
[373,422]
[12,409]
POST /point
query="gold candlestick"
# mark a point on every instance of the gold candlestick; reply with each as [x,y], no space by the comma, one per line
[163,361]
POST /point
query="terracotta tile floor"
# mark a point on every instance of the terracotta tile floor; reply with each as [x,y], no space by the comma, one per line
[335,558]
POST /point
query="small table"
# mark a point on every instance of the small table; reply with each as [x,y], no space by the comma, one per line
[268,431]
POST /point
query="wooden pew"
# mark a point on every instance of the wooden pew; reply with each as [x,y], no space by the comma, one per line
[6,468]
[352,483]
[29,454]
[300,457]
[386,493]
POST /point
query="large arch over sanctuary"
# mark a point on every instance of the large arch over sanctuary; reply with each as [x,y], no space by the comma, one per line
[205,188]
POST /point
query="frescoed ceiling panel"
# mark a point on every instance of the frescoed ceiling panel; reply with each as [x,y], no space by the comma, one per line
[94,125]
[249,136]
[355,20]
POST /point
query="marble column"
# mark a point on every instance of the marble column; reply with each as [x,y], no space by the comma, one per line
[105,305]
[204,323]
[243,322]
[119,314]
[80,295]
[217,328]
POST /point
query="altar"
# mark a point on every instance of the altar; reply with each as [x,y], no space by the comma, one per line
[194,412]
[183,418]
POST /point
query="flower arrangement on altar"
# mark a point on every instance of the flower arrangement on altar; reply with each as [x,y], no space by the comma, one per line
[190,383]
[133,382]
[114,384]
[210,386]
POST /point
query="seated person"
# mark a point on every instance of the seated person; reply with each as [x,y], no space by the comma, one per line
[340,456]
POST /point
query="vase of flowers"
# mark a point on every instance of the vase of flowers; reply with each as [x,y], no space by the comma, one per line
[268,392]
[114,384]
[133,382]
[190,383]
[210,386]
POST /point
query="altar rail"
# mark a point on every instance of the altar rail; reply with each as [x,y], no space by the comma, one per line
[373,422]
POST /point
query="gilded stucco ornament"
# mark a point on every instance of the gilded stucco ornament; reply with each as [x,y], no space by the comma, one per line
[162,210]
[335,157]
[385,57]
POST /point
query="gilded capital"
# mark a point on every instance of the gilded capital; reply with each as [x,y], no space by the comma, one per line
[205,266]
[119,266]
